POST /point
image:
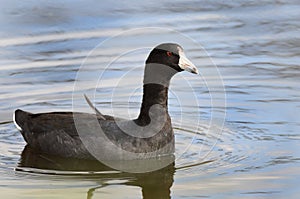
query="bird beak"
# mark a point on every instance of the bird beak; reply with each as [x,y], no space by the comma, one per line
[185,63]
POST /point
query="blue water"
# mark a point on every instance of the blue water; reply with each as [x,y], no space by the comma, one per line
[255,46]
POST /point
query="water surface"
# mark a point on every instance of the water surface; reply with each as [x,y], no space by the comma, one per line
[255,45]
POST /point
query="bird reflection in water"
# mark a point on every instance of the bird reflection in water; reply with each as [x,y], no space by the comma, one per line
[155,184]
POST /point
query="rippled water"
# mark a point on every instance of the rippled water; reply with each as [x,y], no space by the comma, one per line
[255,45]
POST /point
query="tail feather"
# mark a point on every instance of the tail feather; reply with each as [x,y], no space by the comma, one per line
[20,117]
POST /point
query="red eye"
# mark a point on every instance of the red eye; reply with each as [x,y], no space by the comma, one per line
[169,53]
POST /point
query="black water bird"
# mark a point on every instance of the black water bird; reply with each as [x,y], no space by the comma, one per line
[86,136]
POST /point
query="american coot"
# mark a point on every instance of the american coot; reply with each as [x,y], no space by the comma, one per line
[57,133]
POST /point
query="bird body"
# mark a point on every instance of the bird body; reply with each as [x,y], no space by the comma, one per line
[88,136]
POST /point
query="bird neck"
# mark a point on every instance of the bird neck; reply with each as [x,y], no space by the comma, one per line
[154,94]
[156,84]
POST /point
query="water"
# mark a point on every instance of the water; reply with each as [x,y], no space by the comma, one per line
[255,45]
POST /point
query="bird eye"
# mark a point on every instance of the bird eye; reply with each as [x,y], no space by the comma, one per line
[169,53]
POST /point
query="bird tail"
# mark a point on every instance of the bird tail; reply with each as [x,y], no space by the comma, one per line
[20,117]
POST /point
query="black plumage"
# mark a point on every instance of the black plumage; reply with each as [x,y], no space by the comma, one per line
[56,133]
